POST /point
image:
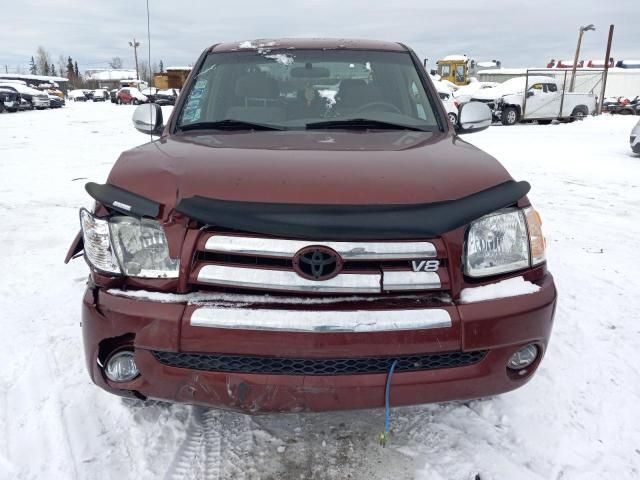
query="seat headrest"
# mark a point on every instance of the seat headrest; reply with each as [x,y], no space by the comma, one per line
[257,85]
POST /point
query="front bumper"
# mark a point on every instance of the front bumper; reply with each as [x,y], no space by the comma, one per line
[499,327]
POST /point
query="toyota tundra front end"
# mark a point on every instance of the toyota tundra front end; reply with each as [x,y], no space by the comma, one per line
[307,219]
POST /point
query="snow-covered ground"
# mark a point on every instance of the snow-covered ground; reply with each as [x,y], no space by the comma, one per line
[579,418]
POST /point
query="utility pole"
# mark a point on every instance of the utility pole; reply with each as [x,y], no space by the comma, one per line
[575,60]
[135,46]
[606,70]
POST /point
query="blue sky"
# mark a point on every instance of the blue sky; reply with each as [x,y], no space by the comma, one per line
[518,33]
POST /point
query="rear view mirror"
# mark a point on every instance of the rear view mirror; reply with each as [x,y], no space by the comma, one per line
[473,117]
[147,118]
[310,72]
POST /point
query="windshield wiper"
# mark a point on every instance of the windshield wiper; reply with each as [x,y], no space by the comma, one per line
[363,123]
[228,124]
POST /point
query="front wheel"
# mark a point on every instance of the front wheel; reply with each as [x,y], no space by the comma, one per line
[509,116]
[136,101]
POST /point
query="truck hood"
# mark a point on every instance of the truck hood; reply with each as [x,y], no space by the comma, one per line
[308,167]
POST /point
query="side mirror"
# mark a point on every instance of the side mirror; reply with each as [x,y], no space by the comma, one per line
[530,93]
[473,117]
[147,118]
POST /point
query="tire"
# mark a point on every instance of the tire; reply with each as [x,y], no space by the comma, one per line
[625,111]
[453,118]
[135,101]
[579,113]
[118,101]
[510,116]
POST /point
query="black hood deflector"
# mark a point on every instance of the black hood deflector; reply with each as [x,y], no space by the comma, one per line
[352,222]
[123,200]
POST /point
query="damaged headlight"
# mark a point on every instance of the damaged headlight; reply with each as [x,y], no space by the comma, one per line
[127,246]
[497,243]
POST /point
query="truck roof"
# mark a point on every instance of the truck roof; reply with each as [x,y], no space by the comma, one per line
[308,43]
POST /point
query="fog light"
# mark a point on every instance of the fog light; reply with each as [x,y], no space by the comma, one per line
[523,357]
[121,367]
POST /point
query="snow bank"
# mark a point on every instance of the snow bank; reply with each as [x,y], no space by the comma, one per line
[511,287]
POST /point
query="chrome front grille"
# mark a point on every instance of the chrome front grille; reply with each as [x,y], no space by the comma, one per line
[267,264]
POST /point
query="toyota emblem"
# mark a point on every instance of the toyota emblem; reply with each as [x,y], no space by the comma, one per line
[317,263]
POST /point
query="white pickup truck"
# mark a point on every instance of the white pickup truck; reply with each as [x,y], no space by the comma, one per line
[535,98]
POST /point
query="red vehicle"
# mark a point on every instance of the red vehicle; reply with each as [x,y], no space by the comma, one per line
[130,96]
[308,227]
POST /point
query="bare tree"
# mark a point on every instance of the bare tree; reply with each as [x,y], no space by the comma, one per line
[115,63]
[43,60]
[144,71]
[62,65]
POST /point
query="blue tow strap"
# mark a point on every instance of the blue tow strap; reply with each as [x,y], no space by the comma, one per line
[384,436]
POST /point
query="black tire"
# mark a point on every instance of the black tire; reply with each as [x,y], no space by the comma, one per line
[135,101]
[118,101]
[510,116]
[579,113]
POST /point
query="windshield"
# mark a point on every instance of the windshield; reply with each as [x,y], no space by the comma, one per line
[292,89]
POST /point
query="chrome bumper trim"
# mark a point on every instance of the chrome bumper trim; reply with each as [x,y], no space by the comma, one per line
[275,247]
[320,321]
[393,281]
[263,279]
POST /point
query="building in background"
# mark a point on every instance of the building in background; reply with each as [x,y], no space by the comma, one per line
[108,78]
[172,77]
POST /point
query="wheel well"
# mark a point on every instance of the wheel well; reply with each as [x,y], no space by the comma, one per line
[517,107]
[581,108]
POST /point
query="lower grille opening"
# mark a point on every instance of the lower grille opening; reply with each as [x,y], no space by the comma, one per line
[316,366]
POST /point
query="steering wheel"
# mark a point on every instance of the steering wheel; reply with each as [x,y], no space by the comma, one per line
[388,106]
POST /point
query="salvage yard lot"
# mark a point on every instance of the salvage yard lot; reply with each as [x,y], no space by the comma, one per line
[577,418]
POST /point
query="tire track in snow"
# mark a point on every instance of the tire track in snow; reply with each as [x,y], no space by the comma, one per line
[218,446]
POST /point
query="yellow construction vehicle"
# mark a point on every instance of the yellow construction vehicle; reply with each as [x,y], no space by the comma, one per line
[454,68]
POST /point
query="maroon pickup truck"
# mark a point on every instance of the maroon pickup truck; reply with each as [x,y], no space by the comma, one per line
[307,224]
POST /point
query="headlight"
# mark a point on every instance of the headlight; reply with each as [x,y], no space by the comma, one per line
[504,241]
[127,246]
[97,244]
[497,243]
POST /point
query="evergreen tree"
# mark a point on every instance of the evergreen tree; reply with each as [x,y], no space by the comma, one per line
[161,67]
[53,71]
[32,67]
[45,70]
[70,71]
[75,69]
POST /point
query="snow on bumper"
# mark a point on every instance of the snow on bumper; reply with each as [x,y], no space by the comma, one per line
[497,328]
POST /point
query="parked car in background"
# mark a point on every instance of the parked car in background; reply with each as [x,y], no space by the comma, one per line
[167,97]
[55,101]
[635,138]
[625,106]
[99,95]
[150,93]
[9,99]
[34,98]
[466,92]
[112,95]
[276,251]
[77,96]
[543,100]
[130,96]
[88,94]
[450,105]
